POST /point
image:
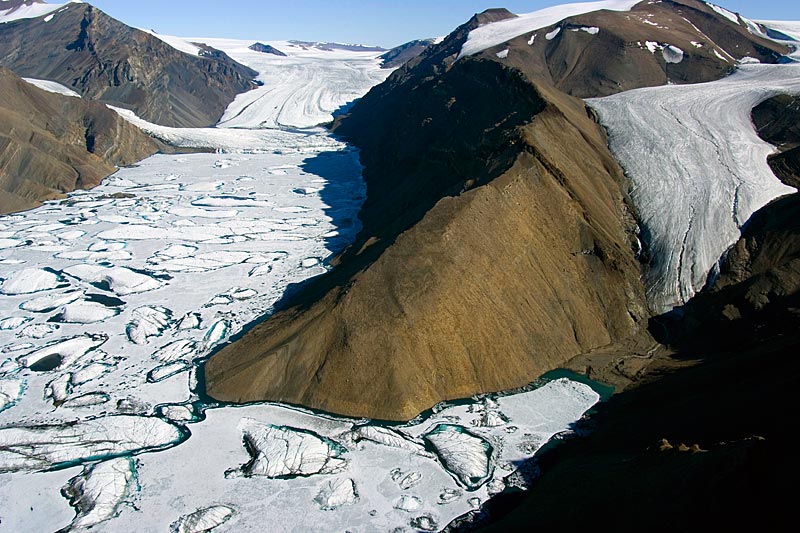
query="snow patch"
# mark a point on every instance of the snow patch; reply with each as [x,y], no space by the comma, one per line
[52,86]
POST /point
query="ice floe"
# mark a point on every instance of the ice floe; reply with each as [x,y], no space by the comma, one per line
[287,452]
[202,520]
[29,281]
[336,493]
[466,455]
[99,490]
[42,447]
[62,353]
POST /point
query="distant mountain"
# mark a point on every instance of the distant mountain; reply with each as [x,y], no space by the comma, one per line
[329,47]
[84,49]
[498,240]
[405,52]
[51,144]
[266,49]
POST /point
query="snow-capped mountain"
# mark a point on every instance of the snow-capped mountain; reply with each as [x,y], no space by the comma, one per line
[459,120]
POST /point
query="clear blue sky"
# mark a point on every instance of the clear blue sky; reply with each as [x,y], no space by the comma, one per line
[379,22]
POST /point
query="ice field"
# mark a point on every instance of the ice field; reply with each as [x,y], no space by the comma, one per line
[112,298]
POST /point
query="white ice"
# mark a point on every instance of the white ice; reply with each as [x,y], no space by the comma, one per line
[28,281]
[282,451]
[466,455]
[202,520]
[500,32]
[698,168]
[301,90]
[41,447]
[99,490]
[52,86]
[336,493]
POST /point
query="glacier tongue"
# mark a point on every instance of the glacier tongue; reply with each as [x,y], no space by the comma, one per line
[698,168]
[98,491]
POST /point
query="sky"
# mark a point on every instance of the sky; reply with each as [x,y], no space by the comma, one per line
[384,23]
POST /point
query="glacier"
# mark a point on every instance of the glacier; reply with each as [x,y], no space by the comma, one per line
[699,170]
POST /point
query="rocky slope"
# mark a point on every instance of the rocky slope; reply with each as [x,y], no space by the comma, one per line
[712,444]
[101,58]
[483,168]
[51,144]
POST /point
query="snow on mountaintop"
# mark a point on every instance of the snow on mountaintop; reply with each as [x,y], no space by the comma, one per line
[733,17]
[32,11]
[176,42]
[500,32]
[52,86]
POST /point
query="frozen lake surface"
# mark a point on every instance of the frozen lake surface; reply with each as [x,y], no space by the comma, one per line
[112,298]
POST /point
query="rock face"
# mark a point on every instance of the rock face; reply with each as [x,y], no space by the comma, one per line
[496,245]
[266,49]
[86,50]
[52,144]
[778,122]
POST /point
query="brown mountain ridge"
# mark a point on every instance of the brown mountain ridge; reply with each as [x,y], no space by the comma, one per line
[51,144]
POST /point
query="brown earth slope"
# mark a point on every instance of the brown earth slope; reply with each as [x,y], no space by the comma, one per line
[728,388]
[51,144]
[496,241]
[495,247]
[103,59]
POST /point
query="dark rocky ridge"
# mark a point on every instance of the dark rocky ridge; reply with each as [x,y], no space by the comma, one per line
[266,49]
[103,59]
[52,144]
[726,390]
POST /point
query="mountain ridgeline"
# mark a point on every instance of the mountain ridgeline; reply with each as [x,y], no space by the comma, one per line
[498,241]
[101,58]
